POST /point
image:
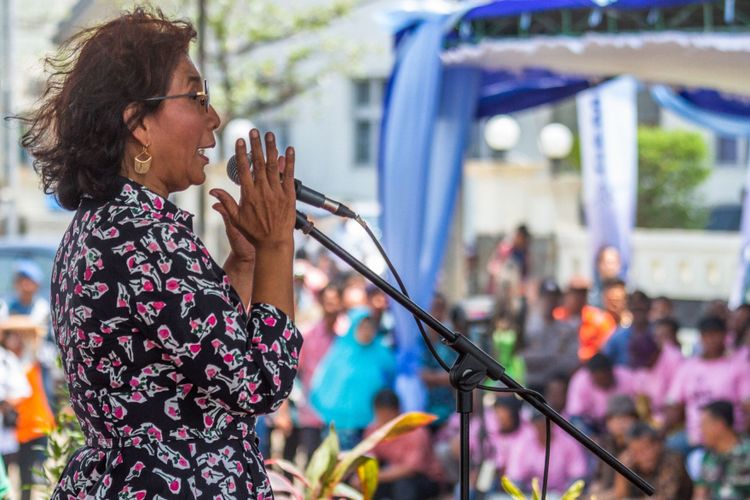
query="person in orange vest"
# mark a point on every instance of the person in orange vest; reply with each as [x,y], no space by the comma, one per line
[21,335]
[594,325]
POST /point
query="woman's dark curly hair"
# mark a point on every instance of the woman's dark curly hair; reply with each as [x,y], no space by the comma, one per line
[77,135]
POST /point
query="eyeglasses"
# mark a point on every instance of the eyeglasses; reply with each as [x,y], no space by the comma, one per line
[201,97]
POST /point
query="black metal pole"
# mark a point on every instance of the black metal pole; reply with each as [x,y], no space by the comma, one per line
[468,349]
[464,407]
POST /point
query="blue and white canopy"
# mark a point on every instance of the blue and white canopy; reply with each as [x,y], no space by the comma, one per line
[445,76]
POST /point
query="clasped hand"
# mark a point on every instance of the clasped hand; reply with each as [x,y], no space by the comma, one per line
[265,213]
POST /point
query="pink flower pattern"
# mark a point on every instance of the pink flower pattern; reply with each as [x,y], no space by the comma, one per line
[166,369]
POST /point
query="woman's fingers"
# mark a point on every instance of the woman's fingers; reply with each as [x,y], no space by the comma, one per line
[288,170]
[229,206]
[256,151]
[265,211]
[272,163]
[243,166]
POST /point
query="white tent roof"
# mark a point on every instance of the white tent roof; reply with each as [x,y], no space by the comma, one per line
[713,60]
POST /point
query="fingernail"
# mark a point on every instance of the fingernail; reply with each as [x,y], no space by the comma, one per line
[241,143]
[254,133]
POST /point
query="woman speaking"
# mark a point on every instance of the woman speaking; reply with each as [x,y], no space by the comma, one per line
[167,362]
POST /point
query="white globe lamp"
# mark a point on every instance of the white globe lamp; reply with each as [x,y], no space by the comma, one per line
[501,132]
[555,143]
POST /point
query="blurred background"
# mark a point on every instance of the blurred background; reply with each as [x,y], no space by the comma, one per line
[531,199]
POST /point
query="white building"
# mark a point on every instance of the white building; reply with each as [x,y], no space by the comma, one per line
[335,126]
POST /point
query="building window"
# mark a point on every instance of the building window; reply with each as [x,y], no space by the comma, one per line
[729,151]
[367,103]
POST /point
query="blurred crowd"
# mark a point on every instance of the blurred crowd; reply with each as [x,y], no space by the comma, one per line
[611,360]
[30,381]
[607,358]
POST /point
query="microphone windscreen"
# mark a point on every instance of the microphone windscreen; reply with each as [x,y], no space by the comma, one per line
[232,168]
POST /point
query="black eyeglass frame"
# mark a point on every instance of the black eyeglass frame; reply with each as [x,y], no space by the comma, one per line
[192,95]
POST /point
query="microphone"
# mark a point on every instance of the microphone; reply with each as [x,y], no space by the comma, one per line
[304,193]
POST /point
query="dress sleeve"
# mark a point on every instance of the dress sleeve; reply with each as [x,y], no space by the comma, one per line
[181,302]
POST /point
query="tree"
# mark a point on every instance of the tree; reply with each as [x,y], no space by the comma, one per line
[671,165]
[250,69]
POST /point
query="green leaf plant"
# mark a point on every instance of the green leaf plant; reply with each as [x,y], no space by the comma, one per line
[324,475]
[573,493]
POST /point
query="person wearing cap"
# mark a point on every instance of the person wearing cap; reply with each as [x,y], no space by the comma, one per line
[21,335]
[27,279]
[551,344]
[594,325]
[621,415]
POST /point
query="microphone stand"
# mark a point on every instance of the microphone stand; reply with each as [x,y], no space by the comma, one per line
[471,367]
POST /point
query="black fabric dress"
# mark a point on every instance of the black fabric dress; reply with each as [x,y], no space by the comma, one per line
[166,370]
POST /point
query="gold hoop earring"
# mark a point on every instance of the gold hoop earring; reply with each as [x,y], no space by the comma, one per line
[142,161]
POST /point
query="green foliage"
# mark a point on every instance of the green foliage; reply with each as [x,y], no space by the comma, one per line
[62,442]
[573,493]
[248,67]
[671,166]
[323,478]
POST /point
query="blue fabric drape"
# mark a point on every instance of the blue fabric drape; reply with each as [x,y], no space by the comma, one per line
[504,92]
[722,124]
[501,8]
[425,127]
[718,102]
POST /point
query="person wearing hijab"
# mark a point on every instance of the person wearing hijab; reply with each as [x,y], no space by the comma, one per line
[355,368]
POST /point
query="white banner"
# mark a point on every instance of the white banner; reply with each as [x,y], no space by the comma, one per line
[607,124]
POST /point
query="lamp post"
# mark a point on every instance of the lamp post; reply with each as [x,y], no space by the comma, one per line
[501,132]
[555,143]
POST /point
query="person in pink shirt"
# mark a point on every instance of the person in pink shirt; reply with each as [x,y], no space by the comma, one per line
[510,427]
[713,376]
[653,373]
[307,430]
[526,460]
[590,389]
[408,467]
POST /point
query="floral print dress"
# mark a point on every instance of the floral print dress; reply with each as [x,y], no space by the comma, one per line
[166,370]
